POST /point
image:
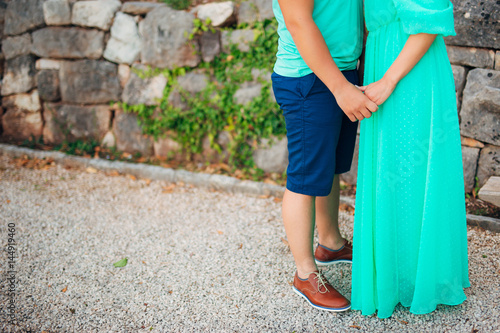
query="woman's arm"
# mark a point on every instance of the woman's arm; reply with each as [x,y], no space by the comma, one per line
[313,49]
[415,48]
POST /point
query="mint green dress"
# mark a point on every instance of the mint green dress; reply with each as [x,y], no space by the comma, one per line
[410,234]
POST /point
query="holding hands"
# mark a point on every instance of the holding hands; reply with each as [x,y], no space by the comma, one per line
[354,103]
[415,48]
[359,106]
[379,91]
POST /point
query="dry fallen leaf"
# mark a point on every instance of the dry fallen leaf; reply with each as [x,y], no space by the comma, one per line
[346,208]
[277,200]
[132,177]
[64,289]
[168,189]
[241,245]
[270,181]
[285,242]
[34,163]
[355,326]
[471,142]
[220,232]
[264,196]
[224,167]
[91,170]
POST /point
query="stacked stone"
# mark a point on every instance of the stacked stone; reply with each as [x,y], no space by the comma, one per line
[63,61]
[475,58]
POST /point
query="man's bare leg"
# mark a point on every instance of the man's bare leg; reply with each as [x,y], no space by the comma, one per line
[297,211]
[327,218]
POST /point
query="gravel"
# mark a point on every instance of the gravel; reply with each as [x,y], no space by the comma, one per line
[198,260]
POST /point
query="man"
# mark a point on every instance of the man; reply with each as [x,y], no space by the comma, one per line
[314,83]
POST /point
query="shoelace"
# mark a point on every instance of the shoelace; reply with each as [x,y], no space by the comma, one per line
[321,282]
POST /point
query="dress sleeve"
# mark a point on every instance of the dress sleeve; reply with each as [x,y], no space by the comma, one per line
[426,16]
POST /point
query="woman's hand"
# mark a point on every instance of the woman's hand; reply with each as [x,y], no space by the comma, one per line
[415,48]
[379,91]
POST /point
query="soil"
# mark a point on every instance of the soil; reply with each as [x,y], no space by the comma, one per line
[477,206]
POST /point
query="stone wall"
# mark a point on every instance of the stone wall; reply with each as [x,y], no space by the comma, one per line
[63,61]
[475,58]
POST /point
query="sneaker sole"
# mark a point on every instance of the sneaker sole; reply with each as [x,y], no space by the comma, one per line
[318,306]
[328,263]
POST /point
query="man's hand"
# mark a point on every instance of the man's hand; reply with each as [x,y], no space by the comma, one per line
[379,91]
[314,51]
[354,103]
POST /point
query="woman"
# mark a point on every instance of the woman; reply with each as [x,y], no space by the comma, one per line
[410,235]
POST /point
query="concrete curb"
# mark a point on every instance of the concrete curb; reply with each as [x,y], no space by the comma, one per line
[216,182]
[153,172]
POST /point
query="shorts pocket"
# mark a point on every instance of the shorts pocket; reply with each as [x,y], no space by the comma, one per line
[306,84]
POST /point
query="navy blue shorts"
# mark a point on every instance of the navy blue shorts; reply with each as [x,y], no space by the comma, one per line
[320,136]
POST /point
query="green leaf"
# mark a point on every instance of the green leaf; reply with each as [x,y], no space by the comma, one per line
[121,263]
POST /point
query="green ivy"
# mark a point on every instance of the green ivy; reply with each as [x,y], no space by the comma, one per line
[200,27]
[214,110]
[178,4]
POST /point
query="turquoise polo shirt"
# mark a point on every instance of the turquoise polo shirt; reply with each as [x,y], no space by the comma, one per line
[340,23]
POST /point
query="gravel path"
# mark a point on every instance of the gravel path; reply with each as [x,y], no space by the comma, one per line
[197,261]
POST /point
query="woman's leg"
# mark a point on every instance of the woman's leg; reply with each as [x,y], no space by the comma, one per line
[327,218]
[297,211]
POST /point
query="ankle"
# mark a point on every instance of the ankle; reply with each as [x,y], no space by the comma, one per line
[304,273]
[333,244]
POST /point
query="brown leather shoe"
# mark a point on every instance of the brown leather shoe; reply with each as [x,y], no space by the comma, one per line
[320,293]
[325,256]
